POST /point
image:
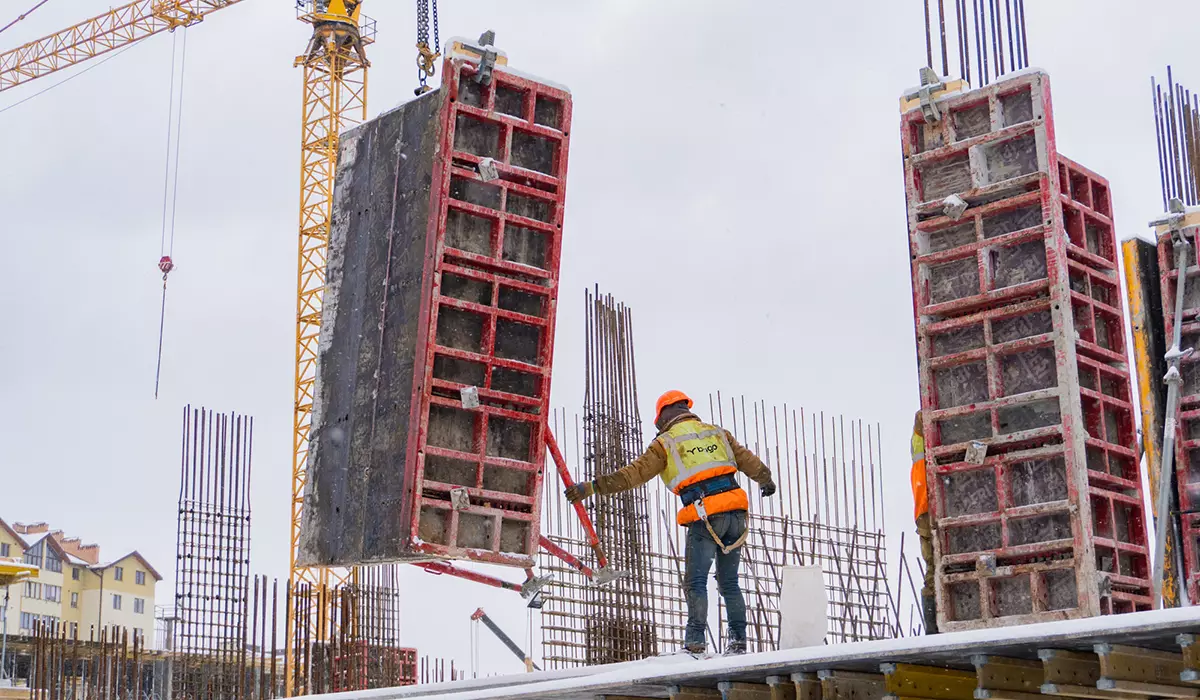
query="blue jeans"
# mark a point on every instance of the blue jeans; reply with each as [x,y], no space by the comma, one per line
[699,555]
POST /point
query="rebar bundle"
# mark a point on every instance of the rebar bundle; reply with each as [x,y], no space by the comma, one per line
[354,648]
[111,665]
[354,644]
[224,622]
[246,668]
[1177,126]
[991,32]
[621,624]
[212,551]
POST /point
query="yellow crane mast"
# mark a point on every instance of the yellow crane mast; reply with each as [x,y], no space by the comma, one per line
[334,98]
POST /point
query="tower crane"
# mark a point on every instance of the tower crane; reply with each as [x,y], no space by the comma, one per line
[334,98]
[335,70]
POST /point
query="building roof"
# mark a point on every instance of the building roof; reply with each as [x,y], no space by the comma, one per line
[48,537]
[136,554]
[13,533]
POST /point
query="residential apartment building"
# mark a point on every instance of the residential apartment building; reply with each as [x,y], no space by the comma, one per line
[74,587]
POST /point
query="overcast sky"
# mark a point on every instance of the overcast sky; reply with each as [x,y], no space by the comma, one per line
[736,163]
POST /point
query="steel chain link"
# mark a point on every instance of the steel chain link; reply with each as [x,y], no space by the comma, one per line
[437,42]
[426,54]
[423,21]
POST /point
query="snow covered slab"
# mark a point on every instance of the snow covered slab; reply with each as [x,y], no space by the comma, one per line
[654,677]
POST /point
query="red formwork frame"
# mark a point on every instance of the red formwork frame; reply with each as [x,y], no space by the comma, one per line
[1187,436]
[549,188]
[1091,390]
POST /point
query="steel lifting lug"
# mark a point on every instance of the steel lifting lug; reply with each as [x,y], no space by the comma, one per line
[487,57]
[930,84]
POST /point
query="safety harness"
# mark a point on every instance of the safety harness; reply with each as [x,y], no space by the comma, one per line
[695,495]
[694,451]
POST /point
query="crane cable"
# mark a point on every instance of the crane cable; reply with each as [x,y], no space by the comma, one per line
[426,55]
[170,190]
[23,15]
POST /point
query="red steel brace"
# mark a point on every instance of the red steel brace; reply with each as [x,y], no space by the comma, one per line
[566,556]
[441,567]
[568,482]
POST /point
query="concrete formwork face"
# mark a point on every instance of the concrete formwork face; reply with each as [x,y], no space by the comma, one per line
[1021,343]
[438,326]
[1187,438]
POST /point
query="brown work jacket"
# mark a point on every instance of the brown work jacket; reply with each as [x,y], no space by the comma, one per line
[654,461]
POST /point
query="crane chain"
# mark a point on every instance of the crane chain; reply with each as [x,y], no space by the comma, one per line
[426,55]
[437,42]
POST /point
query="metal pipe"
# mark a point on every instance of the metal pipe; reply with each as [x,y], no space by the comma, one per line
[1173,380]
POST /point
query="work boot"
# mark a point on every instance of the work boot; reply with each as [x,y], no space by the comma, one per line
[735,647]
[929,607]
[695,649]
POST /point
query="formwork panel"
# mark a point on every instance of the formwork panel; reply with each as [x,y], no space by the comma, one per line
[1026,395]
[438,326]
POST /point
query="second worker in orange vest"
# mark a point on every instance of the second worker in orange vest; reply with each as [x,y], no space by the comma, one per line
[920,491]
[697,462]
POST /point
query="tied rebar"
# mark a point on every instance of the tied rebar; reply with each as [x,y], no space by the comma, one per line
[1177,130]
[212,553]
[621,621]
[989,39]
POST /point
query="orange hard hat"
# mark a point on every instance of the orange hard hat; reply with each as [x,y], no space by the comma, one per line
[668,398]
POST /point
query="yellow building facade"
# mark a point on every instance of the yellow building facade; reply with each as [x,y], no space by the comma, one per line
[75,588]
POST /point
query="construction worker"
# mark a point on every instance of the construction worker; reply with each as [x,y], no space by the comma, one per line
[924,525]
[697,462]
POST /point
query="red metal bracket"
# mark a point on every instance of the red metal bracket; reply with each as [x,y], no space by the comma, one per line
[568,482]
[441,567]
[566,556]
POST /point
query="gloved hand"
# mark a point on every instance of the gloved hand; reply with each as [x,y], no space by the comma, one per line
[768,489]
[578,492]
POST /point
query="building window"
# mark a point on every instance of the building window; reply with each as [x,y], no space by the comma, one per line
[53,563]
[75,573]
[139,605]
[118,573]
[53,593]
[116,602]
[4,547]
[33,589]
[34,558]
[139,577]
[28,620]
[74,600]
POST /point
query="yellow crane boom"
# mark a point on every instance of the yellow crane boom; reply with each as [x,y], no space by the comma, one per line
[103,33]
[334,98]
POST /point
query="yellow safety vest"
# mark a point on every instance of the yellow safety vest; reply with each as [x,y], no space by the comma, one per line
[698,451]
